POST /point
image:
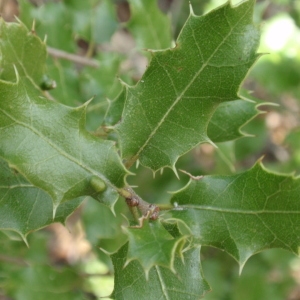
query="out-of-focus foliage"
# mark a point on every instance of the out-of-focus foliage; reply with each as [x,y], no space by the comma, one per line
[70,265]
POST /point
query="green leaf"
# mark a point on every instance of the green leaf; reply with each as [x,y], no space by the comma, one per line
[148,25]
[46,282]
[167,113]
[101,84]
[47,143]
[131,283]
[24,50]
[115,108]
[52,20]
[94,21]
[152,245]
[242,214]
[25,208]
[67,82]
[226,122]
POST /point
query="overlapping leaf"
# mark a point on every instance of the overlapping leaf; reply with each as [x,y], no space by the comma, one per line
[242,214]
[149,26]
[46,141]
[24,207]
[22,49]
[224,125]
[186,283]
[152,245]
[229,117]
[168,111]
[94,21]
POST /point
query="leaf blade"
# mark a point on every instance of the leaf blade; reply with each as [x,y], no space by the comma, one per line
[22,216]
[48,144]
[191,79]
[131,283]
[242,214]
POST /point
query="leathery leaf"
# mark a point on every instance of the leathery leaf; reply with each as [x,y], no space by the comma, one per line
[167,112]
[242,214]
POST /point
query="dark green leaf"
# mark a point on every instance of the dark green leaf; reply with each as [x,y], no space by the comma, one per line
[225,124]
[167,113]
[46,141]
[24,207]
[242,214]
[152,245]
[187,283]
[24,50]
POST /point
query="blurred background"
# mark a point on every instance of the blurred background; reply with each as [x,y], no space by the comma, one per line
[92,45]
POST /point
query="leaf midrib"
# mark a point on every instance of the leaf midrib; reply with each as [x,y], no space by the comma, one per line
[233,211]
[58,149]
[183,92]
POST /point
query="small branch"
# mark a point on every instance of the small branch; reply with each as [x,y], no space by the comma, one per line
[73,57]
[191,176]
[134,201]
[13,260]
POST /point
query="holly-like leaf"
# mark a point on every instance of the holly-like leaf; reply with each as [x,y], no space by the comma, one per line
[242,214]
[168,111]
[149,26]
[186,283]
[24,207]
[24,50]
[226,122]
[53,20]
[114,112]
[152,245]
[47,142]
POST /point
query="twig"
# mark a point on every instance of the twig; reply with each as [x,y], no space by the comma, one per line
[73,57]
[133,201]
[13,260]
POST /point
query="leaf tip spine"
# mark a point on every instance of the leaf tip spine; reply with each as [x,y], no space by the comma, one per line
[33,26]
[18,20]
[24,238]
[175,171]
[191,9]
[54,209]
[17,74]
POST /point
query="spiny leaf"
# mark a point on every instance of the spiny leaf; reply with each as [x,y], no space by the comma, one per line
[168,111]
[152,245]
[149,26]
[131,283]
[224,125]
[47,142]
[52,20]
[24,50]
[24,207]
[226,122]
[115,108]
[242,214]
